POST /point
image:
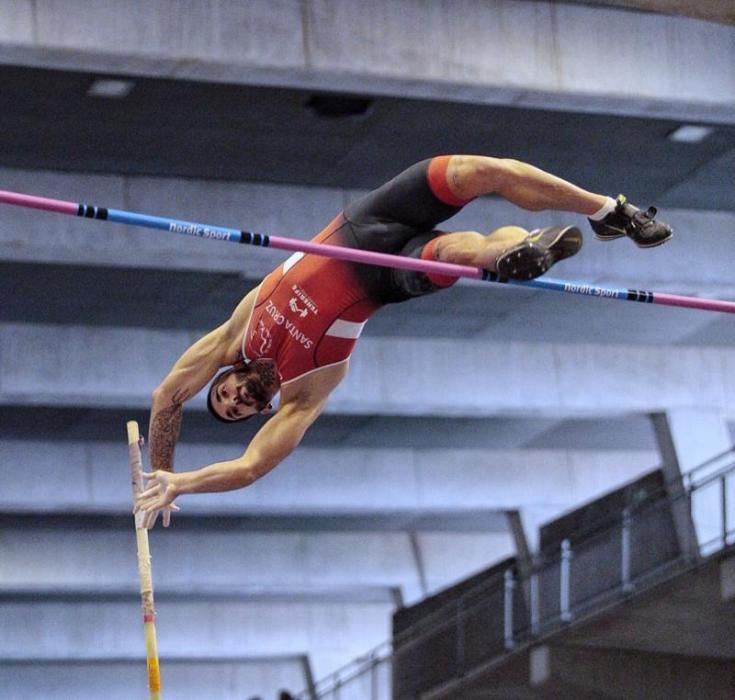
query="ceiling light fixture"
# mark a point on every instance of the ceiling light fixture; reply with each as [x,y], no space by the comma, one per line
[332,106]
[690,133]
[110,88]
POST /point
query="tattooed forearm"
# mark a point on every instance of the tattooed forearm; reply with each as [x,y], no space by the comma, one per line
[164,432]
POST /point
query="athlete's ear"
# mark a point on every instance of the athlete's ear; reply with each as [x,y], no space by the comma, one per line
[265,411]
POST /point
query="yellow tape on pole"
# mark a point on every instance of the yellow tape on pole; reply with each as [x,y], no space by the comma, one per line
[144,567]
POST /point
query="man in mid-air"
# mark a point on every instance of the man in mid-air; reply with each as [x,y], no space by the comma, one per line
[294,333]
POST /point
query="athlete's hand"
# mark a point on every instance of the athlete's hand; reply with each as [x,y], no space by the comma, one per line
[157,497]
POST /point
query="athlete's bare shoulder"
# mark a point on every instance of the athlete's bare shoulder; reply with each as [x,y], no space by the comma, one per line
[313,388]
[237,324]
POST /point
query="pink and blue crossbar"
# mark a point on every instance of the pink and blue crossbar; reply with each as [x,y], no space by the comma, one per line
[231,235]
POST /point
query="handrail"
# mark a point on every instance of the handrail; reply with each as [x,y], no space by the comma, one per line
[438,619]
[711,460]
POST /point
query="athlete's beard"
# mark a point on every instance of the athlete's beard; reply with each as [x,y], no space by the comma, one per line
[263,380]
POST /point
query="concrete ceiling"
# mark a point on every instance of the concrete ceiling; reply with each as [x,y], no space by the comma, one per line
[239,132]
[344,431]
[712,10]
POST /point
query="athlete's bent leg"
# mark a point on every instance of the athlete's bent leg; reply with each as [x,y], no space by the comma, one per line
[509,251]
[472,248]
[531,188]
[522,184]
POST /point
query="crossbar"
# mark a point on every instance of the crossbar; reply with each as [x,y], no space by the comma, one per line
[231,235]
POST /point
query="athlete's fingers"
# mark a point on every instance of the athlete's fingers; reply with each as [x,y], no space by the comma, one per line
[150,519]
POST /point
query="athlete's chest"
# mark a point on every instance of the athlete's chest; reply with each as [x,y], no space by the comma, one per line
[308,314]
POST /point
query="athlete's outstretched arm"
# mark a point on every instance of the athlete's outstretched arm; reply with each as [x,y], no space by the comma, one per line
[190,373]
[271,445]
[198,364]
[276,440]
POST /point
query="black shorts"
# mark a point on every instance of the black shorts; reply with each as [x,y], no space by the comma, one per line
[399,217]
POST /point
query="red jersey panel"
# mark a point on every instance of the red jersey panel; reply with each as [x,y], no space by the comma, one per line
[309,311]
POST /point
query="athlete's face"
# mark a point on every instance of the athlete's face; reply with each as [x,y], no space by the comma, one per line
[240,393]
[232,398]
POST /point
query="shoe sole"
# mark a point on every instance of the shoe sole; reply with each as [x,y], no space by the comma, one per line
[609,236]
[655,244]
[612,237]
[533,258]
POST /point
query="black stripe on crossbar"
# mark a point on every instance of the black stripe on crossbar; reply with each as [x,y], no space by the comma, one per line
[640,295]
[90,212]
[488,276]
[254,239]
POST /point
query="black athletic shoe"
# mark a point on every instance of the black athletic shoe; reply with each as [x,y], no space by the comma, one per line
[538,252]
[627,220]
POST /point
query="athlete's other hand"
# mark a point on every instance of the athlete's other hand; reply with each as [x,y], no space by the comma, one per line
[157,497]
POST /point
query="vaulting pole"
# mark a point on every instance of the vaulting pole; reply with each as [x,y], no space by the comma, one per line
[144,567]
[230,235]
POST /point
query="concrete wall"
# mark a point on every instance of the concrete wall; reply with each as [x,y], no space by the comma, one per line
[540,379]
[508,51]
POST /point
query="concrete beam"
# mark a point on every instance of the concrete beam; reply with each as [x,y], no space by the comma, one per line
[32,236]
[690,438]
[196,564]
[697,435]
[534,54]
[685,616]
[92,477]
[300,212]
[541,379]
[712,10]
[674,471]
[182,678]
[614,673]
[727,579]
[332,634]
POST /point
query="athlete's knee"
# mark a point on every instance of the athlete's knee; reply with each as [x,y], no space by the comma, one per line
[471,176]
[460,248]
[478,250]
[510,234]
[436,250]
[445,180]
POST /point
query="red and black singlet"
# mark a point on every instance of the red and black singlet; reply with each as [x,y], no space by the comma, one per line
[310,311]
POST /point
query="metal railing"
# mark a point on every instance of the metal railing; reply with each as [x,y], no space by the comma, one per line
[365,678]
[587,570]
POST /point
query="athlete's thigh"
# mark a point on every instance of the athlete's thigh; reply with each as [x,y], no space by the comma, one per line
[388,217]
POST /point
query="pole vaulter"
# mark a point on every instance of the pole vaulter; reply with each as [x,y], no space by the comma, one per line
[230,235]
